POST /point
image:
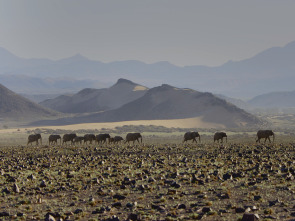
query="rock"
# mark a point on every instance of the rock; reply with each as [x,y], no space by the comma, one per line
[240,210]
[256,198]
[31,177]
[133,217]
[250,217]
[43,184]
[119,197]
[117,204]
[181,206]
[113,218]
[78,211]
[206,209]
[274,202]
[175,185]
[3,214]
[49,218]
[6,190]
[15,188]
[227,176]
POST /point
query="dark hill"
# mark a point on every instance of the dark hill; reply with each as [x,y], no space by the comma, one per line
[16,107]
[94,100]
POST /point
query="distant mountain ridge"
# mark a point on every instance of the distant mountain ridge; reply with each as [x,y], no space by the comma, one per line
[168,102]
[94,100]
[270,70]
[274,100]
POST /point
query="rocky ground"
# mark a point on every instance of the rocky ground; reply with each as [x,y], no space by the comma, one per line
[148,182]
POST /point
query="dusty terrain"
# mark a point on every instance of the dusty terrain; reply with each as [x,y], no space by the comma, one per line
[161,179]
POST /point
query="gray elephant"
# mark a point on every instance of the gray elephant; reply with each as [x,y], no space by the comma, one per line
[78,140]
[133,137]
[68,137]
[191,136]
[53,139]
[34,138]
[219,136]
[265,134]
[117,139]
[102,138]
[89,137]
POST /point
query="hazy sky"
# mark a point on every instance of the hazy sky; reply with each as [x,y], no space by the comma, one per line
[183,32]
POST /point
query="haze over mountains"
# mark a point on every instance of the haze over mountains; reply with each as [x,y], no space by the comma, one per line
[268,71]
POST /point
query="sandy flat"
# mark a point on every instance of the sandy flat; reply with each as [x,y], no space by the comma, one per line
[196,122]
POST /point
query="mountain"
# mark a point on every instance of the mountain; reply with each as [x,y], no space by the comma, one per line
[93,100]
[23,84]
[16,107]
[270,70]
[167,102]
[274,100]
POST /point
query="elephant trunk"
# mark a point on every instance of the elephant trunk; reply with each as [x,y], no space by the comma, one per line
[140,139]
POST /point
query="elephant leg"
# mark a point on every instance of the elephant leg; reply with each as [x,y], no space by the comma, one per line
[194,139]
[269,140]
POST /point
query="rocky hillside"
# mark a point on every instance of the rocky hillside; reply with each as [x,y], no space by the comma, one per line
[16,107]
[167,102]
[94,100]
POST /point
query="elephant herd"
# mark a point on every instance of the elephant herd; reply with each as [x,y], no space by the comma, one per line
[103,138]
[74,139]
[266,134]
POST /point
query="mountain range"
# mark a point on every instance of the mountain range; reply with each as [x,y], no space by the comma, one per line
[161,102]
[94,100]
[268,71]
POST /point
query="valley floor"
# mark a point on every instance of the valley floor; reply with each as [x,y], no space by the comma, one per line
[159,181]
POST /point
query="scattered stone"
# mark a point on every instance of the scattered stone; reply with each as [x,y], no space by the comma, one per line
[134,217]
[3,214]
[240,210]
[78,211]
[181,206]
[43,183]
[119,197]
[250,217]
[256,198]
[15,188]
[117,204]
[206,209]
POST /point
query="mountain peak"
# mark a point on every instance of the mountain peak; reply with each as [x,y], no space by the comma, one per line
[122,80]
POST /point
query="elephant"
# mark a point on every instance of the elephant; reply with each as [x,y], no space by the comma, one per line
[191,136]
[53,139]
[34,138]
[118,139]
[78,140]
[133,137]
[68,137]
[89,137]
[102,138]
[219,136]
[265,134]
